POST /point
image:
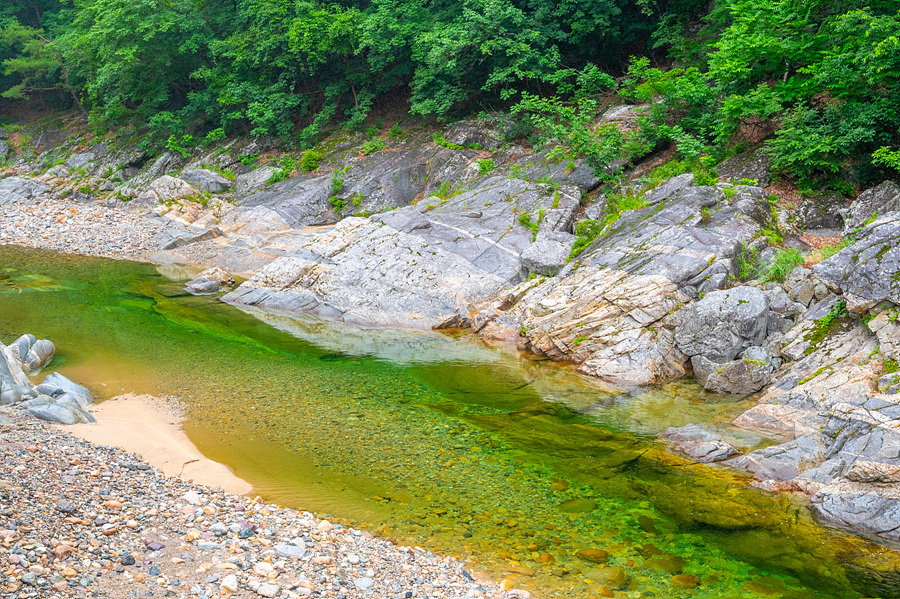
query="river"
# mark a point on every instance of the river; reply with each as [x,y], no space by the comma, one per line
[441,441]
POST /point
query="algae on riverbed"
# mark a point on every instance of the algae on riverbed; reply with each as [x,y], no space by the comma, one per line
[445,444]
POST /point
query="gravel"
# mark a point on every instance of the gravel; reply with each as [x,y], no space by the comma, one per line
[75,227]
[81,520]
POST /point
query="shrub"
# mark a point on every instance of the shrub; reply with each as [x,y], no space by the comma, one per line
[373,145]
[310,161]
[485,166]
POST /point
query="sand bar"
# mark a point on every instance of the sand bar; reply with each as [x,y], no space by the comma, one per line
[151,427]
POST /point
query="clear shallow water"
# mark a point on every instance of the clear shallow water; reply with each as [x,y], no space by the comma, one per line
[441,442]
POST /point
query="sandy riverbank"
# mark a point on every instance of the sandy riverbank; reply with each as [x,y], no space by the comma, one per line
[150,427]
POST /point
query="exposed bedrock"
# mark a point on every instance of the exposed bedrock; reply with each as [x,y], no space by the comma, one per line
[615,309]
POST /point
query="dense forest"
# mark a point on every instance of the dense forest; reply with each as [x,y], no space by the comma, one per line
[817,80]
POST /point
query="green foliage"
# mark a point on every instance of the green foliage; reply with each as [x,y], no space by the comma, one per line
[309,161]
[373,145]
[249,159]
[586,231]
[285,167]
[214,136]
[438,138]
[748,264]
[395,131]
[337,185]
[823,326]
[525,221]
[486,165]
[783,263]
[818,80]
[891,366]
[180,145]
[571,128]
[830,250]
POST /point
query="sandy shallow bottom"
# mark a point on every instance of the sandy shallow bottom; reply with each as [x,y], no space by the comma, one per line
[151,427]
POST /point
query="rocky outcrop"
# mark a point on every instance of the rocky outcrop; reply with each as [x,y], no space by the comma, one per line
[868,272]
[875,202]
[822,211]
[421,266]
[56,399]
[613,311]
[752,165]
[19,190]
[206,180]
[723,323]
[367,273]
[164,190]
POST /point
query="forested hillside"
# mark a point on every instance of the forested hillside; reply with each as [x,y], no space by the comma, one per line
[817,80]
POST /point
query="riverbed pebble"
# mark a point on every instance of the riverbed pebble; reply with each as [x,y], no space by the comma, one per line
[130,532]
[76,227]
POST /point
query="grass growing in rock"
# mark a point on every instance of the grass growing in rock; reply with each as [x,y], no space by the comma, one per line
[783,263]
[586,232]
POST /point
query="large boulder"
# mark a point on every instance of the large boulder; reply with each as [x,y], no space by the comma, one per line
[367,273]
[46,408]
[752,165]
[748,374]
[821,211]
[15,190]
[32,353]
[723,324]
[548,254]
[878,201]
[206,180]
[868,272]
[58,387]
[164,190]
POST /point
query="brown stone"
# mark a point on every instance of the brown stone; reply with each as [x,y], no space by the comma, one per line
[594,556]
[63,551]
[685,581]
[524,570]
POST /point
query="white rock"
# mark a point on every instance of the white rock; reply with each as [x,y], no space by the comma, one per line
[230,584]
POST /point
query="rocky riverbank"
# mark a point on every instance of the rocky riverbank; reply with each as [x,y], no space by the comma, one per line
[674,273]
[82,520]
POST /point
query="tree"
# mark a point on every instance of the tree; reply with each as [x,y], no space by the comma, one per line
[37,64]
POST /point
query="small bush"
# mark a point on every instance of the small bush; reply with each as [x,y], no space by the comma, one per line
[485,166]
[748,264]
[373,145]
[286,168]
[310,161]
[586,231]
[395,131]
[439,140]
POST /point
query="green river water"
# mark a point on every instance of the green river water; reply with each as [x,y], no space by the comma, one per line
[442,442]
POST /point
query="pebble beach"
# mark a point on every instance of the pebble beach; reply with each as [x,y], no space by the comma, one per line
[85,520]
